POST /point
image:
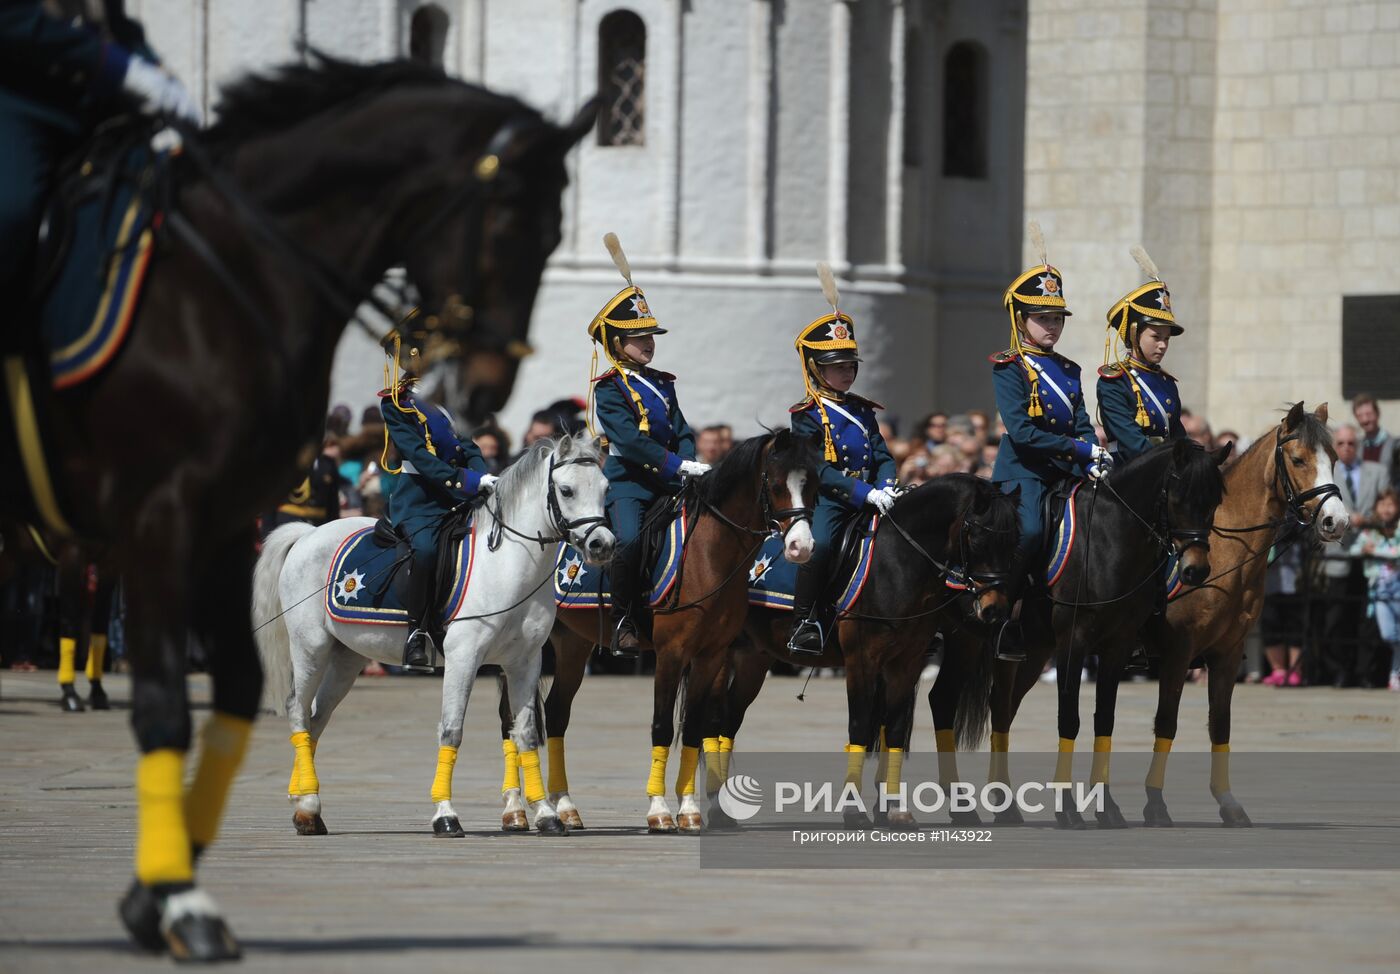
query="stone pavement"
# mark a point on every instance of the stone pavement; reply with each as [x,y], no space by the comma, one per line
[379,893]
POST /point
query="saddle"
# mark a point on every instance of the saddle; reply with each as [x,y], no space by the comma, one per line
[855,526]
[1052,511]
[455,527]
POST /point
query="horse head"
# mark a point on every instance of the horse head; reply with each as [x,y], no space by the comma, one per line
[790,484]
[1193,490]
[985,537]
[1304,461]
[576,488]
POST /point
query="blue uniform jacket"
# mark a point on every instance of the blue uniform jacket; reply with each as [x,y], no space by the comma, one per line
[434,477]
[61,62]
[1049,447]
[642,465]
[1118,408]
[863,460]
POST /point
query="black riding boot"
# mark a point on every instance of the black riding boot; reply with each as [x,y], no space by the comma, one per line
[1009,644]
[418,649]
[626,600]
[808,635]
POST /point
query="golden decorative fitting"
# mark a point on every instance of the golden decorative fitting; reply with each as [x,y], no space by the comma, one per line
[487,167]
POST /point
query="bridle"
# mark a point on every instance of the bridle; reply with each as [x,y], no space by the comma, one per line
[1293,498]
[563,527]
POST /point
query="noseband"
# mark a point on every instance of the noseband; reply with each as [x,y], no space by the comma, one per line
[774,517]
[1293,498]
[562,526]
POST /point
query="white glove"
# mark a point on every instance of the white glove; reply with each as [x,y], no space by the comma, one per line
[882,500]
[1099,456]
[694,468]
[487,483]
[158,91]
[1098,471]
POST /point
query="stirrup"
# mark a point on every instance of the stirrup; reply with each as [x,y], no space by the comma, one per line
[625,627]
[1008,645]
[807,628]
[420,661]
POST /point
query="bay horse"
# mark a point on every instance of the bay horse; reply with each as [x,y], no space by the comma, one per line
[312,185]
[767,483]
[1283,481]
[1126,530]
[554,493]
[955,528]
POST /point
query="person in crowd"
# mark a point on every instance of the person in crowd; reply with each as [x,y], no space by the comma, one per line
[543,425]
[1232,437]
[1379,545]
[1344,657]
[494,445]
[1377,445]
[709,445]
[1281,622]
[316,497]
[945,459]
[980,423]
[935,430]
[899,449]
[914,470]
[338,421]
[1197,429]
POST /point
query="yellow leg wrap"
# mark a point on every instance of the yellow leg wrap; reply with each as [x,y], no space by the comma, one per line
[726,748]
[1098,769]
[294,785]
[67,650]
[1001,741]
[656,781]
[534,781]
[1064,763]
[946,741]
[710,745]
[558,773]
[510,777]
[685,774]
[442,780]
[894,765]
[1219,768]
[304,770]
[225,740]
[1157,772]
[855,761]
[162,841]
[947,759]
[97,653]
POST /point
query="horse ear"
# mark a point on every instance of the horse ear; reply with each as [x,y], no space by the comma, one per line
[1181,450]
[1321,411]
[570,135]
[782,439]
[1294,417]
[1223,454]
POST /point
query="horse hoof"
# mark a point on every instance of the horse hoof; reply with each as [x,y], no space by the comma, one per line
[202,939]
[1070,819]
[448,827]
[97,699]
[515,821]
[691,823]
[720,821]
[1154,813]
[308,823]
[964,819]
[571,819]
[661,824]
[1233,817]
[139,910]
[852,819]
[70,701]
[901,820]
[550,825]
[1111,818]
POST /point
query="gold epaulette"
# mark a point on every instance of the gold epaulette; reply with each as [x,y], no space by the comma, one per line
[1112,371]
[798,407]
[1003,358]
[606,375]
[852,397]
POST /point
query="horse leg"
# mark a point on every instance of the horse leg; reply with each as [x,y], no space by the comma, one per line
[665,684]
[570,661]
[513,817]
[1174,654]
[522,683]
[748,669]
[1105,704]
[462,652]
[1069,666]
[901,684]
[163,909]
[311,657]
[704,712]
[1222,670]
[97,643]
[943,700]
[72,599]
[342,669]
[862,688]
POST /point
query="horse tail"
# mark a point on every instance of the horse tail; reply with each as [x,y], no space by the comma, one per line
[974,709]
[269,626]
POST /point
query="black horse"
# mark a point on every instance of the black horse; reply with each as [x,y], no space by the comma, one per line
[956,528]
[1128,527]
[313,184]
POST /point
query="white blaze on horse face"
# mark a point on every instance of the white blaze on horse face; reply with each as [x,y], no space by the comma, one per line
[1332,517]
[798,542]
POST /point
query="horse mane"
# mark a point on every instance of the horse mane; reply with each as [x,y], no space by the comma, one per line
[1199,475]
[516,480]
[1001,516]
[734,470]
[258,104]
[1312,433]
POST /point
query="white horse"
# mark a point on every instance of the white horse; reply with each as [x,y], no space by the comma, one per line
[552,494]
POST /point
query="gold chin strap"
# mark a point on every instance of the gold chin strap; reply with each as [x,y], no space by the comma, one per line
[1129,338]
[828,447]
[391,383]
[1034,409]
[644,424]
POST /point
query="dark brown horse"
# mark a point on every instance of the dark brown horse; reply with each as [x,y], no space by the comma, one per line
[313,184]
[768,482]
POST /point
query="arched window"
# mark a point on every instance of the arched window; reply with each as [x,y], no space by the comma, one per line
[622,63]
[913,106]
[427,34]
[965,111]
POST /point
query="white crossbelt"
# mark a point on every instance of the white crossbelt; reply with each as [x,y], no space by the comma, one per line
[1051,383]
[1150,395]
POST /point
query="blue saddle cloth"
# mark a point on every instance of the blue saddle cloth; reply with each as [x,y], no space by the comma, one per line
[581,586]
[773,579]
[1065,536]
[101,255]
[359,589]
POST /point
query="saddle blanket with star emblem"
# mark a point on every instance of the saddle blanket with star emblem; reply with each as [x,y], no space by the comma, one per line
[1065,536]
[581,586]
[773,579]
[359,589]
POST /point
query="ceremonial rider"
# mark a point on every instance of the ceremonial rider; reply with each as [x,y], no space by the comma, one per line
[1049,437]
[439,471]
[1139,404]
[316,500]
[64,66]
[650,445]
[857,469]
